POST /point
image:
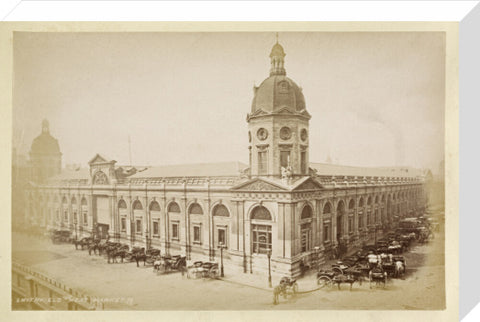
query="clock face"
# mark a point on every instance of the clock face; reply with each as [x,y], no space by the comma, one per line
[303,135]
[285,133]
[262,134]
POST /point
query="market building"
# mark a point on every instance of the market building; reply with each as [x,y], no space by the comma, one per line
[279,204]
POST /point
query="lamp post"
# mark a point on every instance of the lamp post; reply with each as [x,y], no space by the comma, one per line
[147,239]
[317,254]
[76,236]
[269,255]
[221,246]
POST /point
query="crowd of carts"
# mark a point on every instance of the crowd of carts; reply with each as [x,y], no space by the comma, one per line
[376,263]
[115,252]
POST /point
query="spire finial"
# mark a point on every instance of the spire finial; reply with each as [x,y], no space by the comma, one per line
[277,56]
[45,126]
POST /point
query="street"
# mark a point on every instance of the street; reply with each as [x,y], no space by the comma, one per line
[421,289]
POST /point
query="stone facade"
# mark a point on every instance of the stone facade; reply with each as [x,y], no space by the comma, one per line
[279,203]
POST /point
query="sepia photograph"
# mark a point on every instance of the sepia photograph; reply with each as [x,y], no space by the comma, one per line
[234,170]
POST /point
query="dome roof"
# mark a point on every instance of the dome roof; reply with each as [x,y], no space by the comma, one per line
[45,143]
[277,93]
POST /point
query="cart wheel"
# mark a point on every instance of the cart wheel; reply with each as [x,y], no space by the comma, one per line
[324,281]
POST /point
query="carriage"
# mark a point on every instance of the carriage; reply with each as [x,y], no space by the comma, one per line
[82,242]
[151,255]
[61,236]
[168,263]
[378,276]
[203,270]
[115,250]
[286,286]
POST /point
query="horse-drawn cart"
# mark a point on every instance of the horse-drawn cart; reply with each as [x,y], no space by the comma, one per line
[286,287]
[203,270]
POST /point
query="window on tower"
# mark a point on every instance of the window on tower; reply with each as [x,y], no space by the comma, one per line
[262,162]
[303,162]
[284,158]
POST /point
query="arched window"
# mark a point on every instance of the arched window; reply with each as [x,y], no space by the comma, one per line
[351,204]
[383,198]
[327,208]
[306,212]
[360,203]
[84,202]
[195,209]
[137,205]
[221,211]
[74,201]
[261,213]
[174,207]
[154,206]
[64,201]
[100,178]
[261,234]
[369,201]
[340,207]
[122,204]
[376,199]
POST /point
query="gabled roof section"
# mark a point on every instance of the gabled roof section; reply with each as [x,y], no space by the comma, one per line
[260,184]
[100,159]
[307,183]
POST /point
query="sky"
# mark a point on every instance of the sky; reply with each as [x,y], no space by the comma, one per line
[376,98]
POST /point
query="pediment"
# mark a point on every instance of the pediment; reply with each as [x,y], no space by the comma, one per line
[259,185]
[99,159]
[285,110]
[259,112]
[309,184]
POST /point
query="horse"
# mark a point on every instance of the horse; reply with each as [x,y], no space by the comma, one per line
[118,253]
[92,246]
[138,255]
[399,268]
[278,290]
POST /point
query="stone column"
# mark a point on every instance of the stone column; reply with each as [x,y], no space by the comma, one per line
[148,230]
[244,236]
[334,222]
[319,213]
[289,214]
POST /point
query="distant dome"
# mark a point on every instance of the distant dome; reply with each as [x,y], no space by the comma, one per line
[278,92]
[45,143]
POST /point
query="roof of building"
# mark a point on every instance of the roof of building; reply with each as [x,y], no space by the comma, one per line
[325,169]
[277,93]
[71,174]
[45,143]
[218,169]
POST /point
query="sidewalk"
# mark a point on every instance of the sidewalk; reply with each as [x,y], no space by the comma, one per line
[307,283]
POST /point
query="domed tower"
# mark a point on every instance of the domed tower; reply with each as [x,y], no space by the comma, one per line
[278,124]
[45,155]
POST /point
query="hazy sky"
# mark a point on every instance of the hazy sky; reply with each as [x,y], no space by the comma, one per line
[376,99]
